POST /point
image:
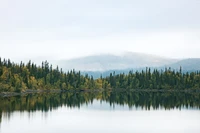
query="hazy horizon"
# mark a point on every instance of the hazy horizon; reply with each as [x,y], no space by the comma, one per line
[39,59]
[65,29]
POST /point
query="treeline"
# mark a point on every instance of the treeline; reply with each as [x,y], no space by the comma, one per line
[20,77]
[163,79]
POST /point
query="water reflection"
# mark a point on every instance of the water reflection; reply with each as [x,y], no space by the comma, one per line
[145,100]
[71,109]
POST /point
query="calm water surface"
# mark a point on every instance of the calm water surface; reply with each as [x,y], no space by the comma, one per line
[101,112]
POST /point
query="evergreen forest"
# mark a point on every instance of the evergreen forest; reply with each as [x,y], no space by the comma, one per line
[22,77]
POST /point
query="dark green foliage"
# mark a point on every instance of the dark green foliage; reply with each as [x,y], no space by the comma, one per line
[20,77]
[167,79]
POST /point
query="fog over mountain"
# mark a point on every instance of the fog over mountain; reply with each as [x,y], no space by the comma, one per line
[190,64]
[187,65]
[105,62]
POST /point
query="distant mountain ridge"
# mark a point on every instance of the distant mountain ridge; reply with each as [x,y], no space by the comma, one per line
[190,64]
[106,62]
[187,65]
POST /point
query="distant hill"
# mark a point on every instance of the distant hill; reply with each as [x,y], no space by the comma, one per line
[97,74]
[106,62]
[191,64]
[187,65]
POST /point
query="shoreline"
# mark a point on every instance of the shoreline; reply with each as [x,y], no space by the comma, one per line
[12,94]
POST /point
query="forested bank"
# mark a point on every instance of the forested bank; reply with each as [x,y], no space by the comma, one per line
[21,77]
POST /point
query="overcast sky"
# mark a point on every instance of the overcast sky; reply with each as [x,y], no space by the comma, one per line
[64,29]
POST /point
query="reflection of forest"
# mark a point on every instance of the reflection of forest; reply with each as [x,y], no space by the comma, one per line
[48,101]
[0,115]
[146,100]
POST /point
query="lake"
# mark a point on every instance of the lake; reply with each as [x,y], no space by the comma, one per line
[101,112]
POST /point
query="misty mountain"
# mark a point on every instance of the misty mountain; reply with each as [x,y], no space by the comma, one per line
[191,64]
[187,65]
[106,62]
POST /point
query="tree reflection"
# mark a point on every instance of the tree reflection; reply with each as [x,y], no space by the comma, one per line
[145,100]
